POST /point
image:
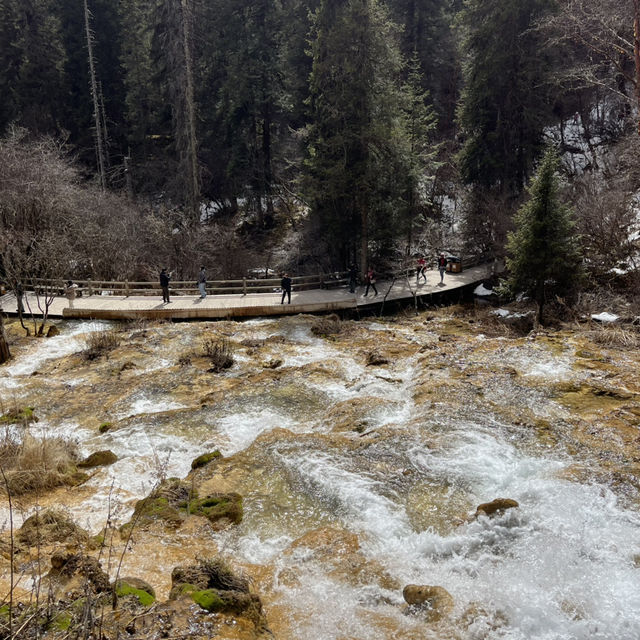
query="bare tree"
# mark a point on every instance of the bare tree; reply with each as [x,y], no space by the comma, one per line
[609,32]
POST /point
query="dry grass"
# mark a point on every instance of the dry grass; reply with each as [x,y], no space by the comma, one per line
[330,325]
[37,463]
[613,336]
[219,351]
[100,343]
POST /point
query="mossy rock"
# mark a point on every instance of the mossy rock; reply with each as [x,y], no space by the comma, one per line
[149,510]
[48,527]
[105,426]
[18,416]
[218,506]
[137,588]
[205,459]
[53,331]
[98,459]
[218,601]
[496,507]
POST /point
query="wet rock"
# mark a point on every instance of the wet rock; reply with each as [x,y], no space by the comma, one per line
[436,601]
[99,459]
[495,507]
[76,572]
[274,363]
[375,359]
[49,527]
[330,325]
[53,331]
[128,365]
[205,459]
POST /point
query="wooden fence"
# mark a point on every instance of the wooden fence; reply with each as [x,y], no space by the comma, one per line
[243,286]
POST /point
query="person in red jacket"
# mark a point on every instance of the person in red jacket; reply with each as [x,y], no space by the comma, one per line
[370,281]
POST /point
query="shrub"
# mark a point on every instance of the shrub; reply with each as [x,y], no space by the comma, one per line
[100,343]
[327,325]
[220,352]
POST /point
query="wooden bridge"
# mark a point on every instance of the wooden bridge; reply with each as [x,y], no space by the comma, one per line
[235,298]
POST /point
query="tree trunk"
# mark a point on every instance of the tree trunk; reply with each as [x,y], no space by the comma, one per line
[194,178]
[636,51]
[4,345]
[97,120]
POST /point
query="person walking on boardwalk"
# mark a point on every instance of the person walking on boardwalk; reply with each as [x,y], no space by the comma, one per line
[353,276]
[285,285]
[442,267]
[202,283]
[164,285]
[370,281]
[421,270]
[70,292]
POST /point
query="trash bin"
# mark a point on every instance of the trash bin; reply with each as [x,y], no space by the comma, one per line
[454,264]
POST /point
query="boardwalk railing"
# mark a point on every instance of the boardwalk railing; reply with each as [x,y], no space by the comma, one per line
[185,287]
[242,286]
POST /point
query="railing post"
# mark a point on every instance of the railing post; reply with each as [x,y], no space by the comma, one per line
[89,289]
[126,288]
[244,286]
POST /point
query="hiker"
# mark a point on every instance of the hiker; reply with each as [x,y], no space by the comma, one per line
[353,276]
[285,285]
[442,267]
[202,283]
[164,285]
[70,292]
[370,281]
[421,270]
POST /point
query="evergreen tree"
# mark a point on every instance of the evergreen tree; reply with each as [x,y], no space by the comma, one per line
[504,102]
[544,253]
[355,136]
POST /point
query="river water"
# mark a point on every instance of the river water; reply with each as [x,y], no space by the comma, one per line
[360,479]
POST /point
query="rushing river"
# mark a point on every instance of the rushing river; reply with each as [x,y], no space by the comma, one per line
[359,479]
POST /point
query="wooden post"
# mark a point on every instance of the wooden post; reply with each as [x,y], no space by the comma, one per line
[126,288]
[244,286]
[89,288]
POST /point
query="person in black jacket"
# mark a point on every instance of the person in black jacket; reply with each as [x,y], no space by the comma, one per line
[353,277]
[285,285]
[442,267]
[164,285]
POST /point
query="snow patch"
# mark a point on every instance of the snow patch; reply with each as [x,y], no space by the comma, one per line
[604,317]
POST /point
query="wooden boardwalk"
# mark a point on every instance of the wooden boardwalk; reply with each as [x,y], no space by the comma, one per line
[118,307]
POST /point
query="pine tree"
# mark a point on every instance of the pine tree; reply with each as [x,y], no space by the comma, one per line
[354,139]
[544,253]
[504,103]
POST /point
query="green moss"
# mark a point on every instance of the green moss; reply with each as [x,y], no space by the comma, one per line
[61,622]
[18,416]
[219,506]
[205,459]
[144,598]
[4,611]
[209,599]
[105,426]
